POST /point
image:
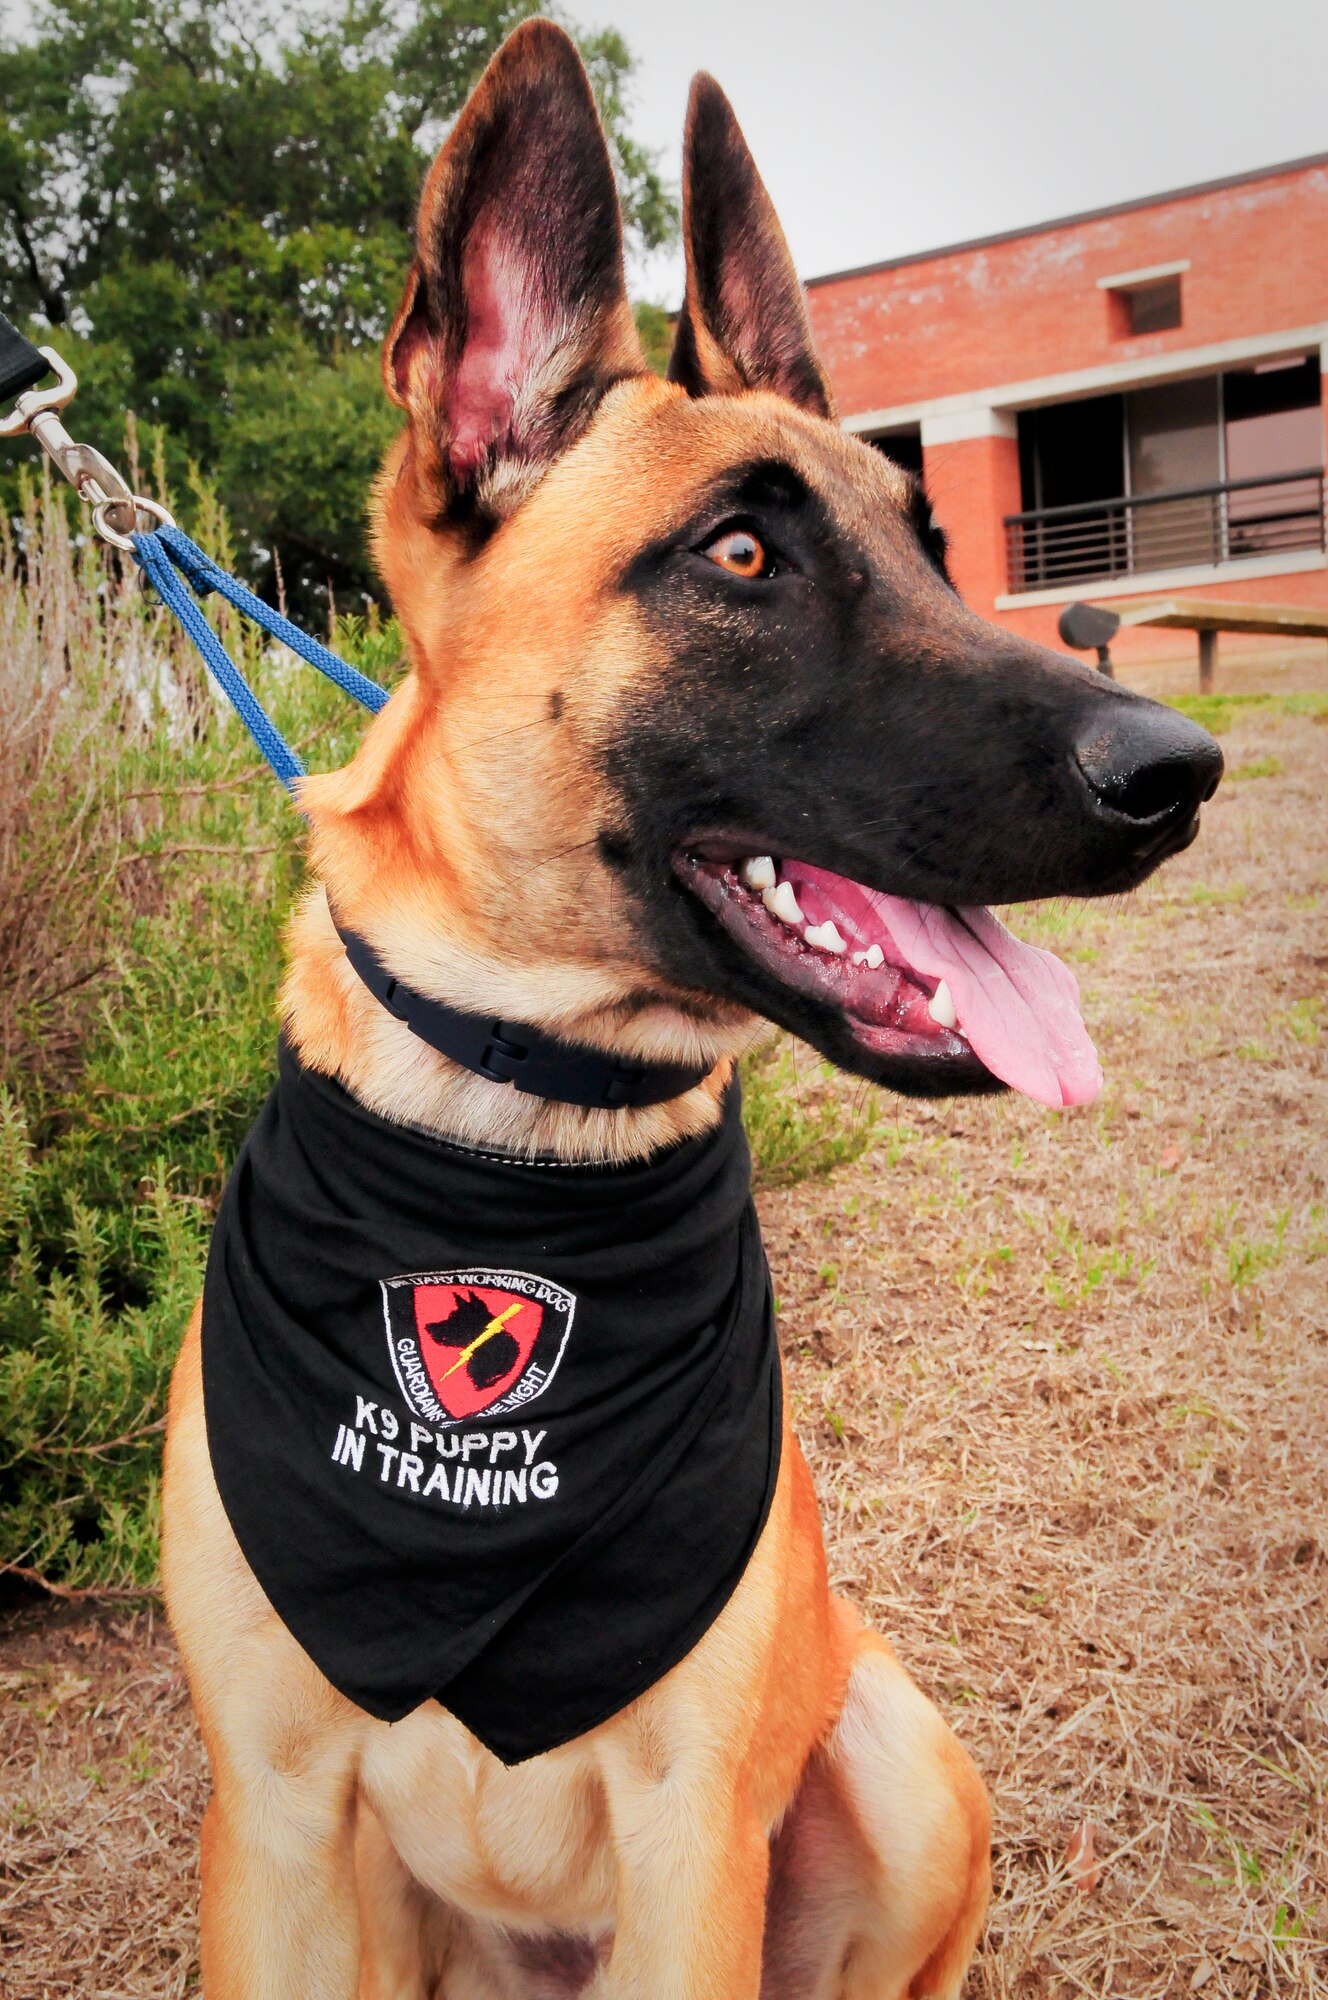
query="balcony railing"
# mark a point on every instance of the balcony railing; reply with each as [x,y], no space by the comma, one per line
[1196,525]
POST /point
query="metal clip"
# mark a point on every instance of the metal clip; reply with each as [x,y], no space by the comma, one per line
[93,477]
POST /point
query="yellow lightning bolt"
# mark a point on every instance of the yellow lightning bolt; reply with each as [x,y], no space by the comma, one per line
[495,1325]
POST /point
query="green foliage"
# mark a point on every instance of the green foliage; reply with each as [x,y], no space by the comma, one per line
[209,209]
[116,1133]
[800,1120]
[1216,712]
[302,444]
[107,1232]
[654,324]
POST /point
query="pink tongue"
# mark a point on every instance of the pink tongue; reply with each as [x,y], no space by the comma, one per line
[1016,1005]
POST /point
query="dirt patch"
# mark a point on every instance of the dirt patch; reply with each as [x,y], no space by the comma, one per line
[101,1789]
[1063,1382]
[1244,664]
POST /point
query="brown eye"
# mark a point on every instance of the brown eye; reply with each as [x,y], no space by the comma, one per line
[738,551]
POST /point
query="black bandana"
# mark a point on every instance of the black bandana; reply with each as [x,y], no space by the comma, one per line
[500,1433]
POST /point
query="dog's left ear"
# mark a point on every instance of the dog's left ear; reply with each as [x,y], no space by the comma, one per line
[744,321]
[515,319]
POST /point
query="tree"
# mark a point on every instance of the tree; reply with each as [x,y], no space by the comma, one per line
[209,208]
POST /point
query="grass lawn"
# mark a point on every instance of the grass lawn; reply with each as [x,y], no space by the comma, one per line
[1063,1381]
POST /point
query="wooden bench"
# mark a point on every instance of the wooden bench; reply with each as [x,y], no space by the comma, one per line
[1205,615]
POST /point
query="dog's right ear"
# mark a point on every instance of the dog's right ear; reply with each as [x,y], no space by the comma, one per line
[515,319]
[744,321]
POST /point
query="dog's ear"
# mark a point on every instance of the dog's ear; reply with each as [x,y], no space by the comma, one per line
[744,322]
[515,318]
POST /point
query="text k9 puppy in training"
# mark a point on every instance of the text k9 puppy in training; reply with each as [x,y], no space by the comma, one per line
[494,1563]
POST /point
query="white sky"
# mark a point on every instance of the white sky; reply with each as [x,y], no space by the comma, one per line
[882,127]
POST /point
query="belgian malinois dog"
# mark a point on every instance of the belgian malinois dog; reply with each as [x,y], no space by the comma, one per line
[696,733]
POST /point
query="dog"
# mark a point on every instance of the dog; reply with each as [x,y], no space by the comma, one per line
[688,680]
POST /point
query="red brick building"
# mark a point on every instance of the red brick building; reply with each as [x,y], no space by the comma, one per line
[1109,405]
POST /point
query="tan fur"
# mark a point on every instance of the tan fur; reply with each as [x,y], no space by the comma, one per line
[342,1857]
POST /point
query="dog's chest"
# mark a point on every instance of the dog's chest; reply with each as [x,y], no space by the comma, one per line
[522,1845]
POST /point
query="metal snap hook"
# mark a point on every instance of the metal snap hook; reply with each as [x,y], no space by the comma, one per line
[91,475]
[132,504]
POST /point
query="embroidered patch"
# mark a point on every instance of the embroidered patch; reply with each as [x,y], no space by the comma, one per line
[472,1343]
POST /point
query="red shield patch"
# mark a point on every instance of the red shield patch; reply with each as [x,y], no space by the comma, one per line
[475,1342]
[467,1344]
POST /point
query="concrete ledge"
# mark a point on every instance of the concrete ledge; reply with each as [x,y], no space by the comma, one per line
[1176,362]
[1122,281]
[955,426]
[1146,582]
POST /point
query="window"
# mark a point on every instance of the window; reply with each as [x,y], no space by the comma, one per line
[1153,308]
[1070,453]
[1274,429]
[901,447]
[1274,418]
[1175,439]
[1175,474]
[1175,435]
[1145,301]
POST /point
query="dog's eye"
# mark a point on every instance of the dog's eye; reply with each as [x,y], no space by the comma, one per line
[740,552]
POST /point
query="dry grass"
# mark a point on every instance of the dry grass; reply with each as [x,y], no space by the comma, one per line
[1063,1382]
[101,1791]
[87,681]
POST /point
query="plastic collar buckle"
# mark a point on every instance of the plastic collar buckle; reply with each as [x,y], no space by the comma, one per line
[620,1090]
[501,1061]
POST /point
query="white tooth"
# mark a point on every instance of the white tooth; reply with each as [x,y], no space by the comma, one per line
[757,872]
[941,1007]
[782,903]
[875,957]
[859,958]
[825,937]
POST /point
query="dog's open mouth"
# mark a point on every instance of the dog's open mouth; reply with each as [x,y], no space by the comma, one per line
[908,979]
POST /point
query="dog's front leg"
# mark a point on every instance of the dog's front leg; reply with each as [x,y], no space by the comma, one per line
[279,1917]
[692,1862]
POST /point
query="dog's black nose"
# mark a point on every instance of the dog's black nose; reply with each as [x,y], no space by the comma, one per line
[1146,763]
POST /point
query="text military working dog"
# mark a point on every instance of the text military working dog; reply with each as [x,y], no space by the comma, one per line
[493,1560]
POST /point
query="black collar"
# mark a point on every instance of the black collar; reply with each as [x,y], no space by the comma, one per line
[512,1052]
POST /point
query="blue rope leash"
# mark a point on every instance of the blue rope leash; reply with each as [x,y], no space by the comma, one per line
[167,550]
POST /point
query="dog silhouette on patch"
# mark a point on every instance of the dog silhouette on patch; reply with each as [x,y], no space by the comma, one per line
[467,1323]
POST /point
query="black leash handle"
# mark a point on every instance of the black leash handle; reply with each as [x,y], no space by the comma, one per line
[21,364]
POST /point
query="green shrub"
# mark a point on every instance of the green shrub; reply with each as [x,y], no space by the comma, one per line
[149,863]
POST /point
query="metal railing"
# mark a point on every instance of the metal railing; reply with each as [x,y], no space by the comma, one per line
[1049,546]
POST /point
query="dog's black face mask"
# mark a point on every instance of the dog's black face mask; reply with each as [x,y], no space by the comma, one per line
[835,764]
[836,723]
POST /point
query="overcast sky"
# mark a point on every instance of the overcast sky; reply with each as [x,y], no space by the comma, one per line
[886,128]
